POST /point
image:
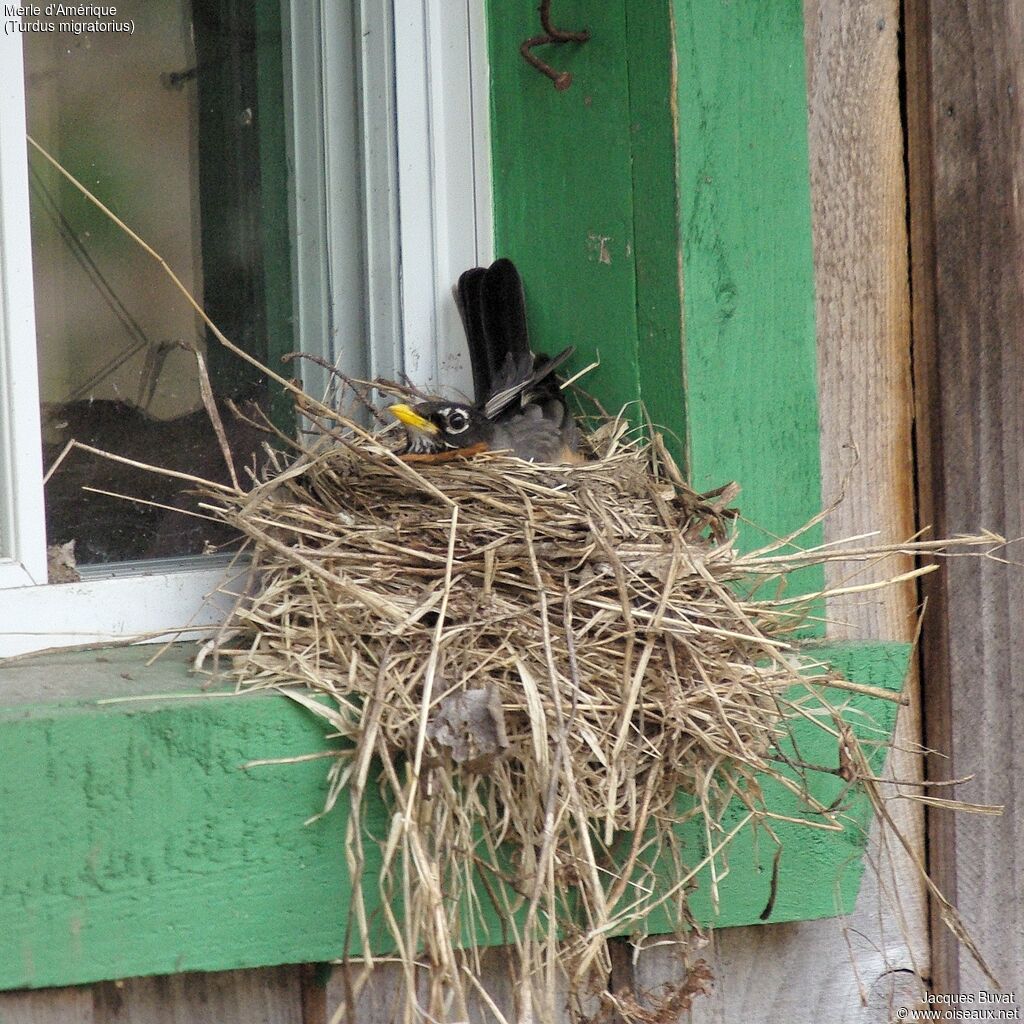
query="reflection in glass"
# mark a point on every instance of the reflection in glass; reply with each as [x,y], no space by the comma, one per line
[177,128]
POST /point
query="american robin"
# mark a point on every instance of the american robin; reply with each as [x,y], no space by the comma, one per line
[518,404]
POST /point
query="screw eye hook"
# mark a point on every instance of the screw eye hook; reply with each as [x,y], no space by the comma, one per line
[561,79]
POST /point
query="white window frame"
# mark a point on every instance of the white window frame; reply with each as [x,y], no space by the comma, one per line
[22,529]
[425,204]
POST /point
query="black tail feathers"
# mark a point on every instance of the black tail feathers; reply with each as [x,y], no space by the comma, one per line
[492,304]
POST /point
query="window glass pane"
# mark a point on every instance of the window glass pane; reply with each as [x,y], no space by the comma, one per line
[178,128]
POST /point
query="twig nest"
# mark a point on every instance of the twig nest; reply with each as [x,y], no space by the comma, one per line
[592,605]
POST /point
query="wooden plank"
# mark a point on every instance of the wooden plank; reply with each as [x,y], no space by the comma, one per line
[379,1002]
[863,301]
[865,398]
[784,973]
[586,199]
[270,996]
[151,795]
[968,163]
[657,252]
[563,186]
[866,388]
[313,980]
[47,1006]
[751,398]
[934,651]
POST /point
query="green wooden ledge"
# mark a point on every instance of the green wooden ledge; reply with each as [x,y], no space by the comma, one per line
[133,840]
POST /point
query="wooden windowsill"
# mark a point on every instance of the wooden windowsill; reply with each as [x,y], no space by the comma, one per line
[134,841]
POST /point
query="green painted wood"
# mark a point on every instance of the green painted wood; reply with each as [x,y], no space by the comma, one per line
[134,841]
[657,241]
[563,181]
[752,403]
[675,166]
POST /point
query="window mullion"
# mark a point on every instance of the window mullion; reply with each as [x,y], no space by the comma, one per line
[22,520]
[444,189]
[380,186]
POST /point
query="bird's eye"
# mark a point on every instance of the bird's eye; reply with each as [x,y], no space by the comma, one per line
[456,421]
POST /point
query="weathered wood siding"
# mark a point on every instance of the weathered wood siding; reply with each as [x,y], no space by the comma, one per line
[271,996]
[965,73]
[861,969]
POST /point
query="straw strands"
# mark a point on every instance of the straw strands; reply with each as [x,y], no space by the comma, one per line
[530,665]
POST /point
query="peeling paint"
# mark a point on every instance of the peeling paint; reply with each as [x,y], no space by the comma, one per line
[597,246]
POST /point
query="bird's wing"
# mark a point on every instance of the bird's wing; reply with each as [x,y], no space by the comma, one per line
[543,432]
[525,380]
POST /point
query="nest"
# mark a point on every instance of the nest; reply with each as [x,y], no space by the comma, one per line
[540,673]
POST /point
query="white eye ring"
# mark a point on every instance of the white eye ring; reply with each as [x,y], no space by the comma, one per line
[456,421]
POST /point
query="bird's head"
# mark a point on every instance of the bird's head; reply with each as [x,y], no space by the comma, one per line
[442,426]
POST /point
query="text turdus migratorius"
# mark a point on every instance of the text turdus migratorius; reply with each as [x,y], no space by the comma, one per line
[518,403]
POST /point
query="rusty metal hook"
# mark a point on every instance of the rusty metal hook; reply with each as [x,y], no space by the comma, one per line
[561,79]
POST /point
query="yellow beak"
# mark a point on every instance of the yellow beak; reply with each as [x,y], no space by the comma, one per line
[411,418]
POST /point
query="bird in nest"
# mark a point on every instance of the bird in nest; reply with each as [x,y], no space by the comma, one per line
[518,402]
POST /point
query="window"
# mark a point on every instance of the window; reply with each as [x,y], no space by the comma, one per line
[193,156]
[316,173]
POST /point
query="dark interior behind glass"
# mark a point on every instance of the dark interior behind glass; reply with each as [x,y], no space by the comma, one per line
[179,128]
